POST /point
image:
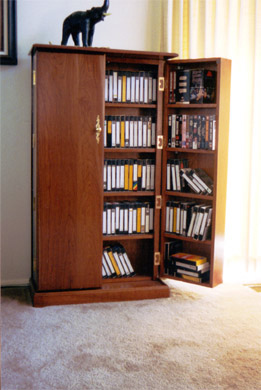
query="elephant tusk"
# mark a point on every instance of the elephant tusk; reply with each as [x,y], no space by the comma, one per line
[106,14]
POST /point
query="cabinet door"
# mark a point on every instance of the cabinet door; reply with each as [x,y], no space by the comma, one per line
[70,98]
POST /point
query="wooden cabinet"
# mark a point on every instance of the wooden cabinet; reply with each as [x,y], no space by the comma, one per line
[68,154]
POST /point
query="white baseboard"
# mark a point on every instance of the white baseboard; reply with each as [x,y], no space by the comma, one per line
[15,283]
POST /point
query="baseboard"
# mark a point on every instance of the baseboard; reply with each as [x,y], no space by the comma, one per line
[15,283]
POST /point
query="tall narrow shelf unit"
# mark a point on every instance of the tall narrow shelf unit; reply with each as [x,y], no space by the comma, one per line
[68,154]
[211,157]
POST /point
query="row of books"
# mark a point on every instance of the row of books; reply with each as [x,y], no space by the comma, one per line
[188,219]
[129,175]
[129,131]
[116,263]
[128,217]
[182,178]
[130,87]
[198,180]
[192,86]
[192,131]
[188,266]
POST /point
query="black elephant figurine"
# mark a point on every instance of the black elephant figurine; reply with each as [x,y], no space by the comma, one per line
[83,22]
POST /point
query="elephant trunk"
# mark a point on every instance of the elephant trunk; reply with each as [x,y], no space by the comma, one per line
[105,5]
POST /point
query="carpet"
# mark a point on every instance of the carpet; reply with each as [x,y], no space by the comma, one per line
[199,338]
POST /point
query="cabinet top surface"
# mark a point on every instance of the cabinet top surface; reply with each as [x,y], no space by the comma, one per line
[102,50]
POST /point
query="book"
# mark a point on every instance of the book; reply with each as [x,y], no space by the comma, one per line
[183,86]
[202,86]
[197,86]
[200,279]
[189,258]
[172,86]
[186,175]
[186,213]
[196,274]
[202,178]
[206,234]
[116,263]
[111,262]
[207,212]
[169,263]
[200,267]
[209,86]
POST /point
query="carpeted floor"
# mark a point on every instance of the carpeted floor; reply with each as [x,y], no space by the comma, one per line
[199,338]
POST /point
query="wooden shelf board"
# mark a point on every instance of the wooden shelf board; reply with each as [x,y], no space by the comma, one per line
[131,279]
[199,106]
[130,105]
[187,150]
[129,150]
[183,238]
[120,237]
[110,52]
[188,195]
[128,193]
[205,284]
[127,290]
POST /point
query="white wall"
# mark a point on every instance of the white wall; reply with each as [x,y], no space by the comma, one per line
[134,24]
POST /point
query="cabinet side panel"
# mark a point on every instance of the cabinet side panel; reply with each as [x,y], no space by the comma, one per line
[223,110]
[69,182]
[34,254]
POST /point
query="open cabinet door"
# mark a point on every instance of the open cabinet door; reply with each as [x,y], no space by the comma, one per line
[68,96]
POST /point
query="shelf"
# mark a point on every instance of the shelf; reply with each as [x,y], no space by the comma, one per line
[130,105]
[185,150]
[128,193]
[189,195]
[129,150]
[121,290]
[165,276]
[135,278]
[120,237]
[184,238]
[198,106]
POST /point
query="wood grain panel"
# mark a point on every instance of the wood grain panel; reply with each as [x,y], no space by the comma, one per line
[69,98]
[109,292]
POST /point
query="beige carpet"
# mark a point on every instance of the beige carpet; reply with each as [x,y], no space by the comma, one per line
[200,338]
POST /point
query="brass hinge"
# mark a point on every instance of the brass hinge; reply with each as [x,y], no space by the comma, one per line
[158,202]
[161,84]
[160,140]
[156,258]
[34,77]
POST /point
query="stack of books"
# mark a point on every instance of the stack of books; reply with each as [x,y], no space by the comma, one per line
[130,87]
[191,267]
[192,86]
[116,263]
[198,180]
[182,178]
[129,131]
[129,175]
[189,219]
[128,218]
[192,131]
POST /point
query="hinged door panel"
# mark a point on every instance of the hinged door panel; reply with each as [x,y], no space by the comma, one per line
[70,112]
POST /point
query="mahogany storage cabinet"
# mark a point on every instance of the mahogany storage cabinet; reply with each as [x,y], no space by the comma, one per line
[69,113]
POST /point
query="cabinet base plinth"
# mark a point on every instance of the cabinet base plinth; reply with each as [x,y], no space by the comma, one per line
[109,292]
